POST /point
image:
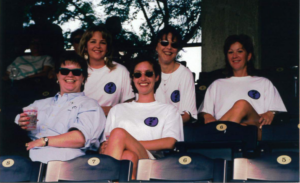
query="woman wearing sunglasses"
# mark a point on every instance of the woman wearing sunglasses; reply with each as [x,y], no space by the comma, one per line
[108,82]
[177,83]
[68,123]
[145,125]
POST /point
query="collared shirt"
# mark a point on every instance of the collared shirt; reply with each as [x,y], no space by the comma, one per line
[57,115]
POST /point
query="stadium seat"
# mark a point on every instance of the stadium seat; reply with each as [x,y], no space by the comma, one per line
[275,167]
[220,139]
[20,169]
[182,167]
[93,167]
[278,137]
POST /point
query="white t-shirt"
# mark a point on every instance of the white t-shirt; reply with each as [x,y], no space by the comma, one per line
[29,65]
[146,121]
[258,91]
[109,87]
[178,89]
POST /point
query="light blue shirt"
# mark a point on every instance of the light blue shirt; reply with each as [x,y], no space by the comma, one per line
[57,115]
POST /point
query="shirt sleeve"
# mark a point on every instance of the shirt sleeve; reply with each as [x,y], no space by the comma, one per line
[91,122]
[49,61]
[173,126]
[273,101]
[188,96]
[208,104]
[127,92]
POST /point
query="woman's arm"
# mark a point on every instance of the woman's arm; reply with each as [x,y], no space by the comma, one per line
[159,144]
[72,139]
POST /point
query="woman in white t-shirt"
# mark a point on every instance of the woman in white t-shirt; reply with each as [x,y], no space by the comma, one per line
[241,97]
[108,82]
[145,125]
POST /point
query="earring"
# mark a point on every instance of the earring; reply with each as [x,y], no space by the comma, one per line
[57,81]
[105,59]
[82,83]
[86,56]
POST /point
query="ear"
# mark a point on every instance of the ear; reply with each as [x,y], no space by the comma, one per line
[157,78]
[249,57]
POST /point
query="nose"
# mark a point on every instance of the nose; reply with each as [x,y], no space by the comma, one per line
[143,77]
[70,73]
[234,54]
[169,45]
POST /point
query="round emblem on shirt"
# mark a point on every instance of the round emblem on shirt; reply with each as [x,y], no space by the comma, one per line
[110,88]
[151,121]
[254,94]
[175,96]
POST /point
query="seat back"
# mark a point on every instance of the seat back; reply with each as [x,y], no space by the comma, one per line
[278,166]
[182,167]
[20,169]
[93,167]
[223,136]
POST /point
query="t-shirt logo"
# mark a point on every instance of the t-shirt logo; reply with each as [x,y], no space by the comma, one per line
[175,96]
[254,94]
[151,121]
[110,88]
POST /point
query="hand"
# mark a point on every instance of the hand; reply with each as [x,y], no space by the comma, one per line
[23,121]
[266,118]
[35,143]
[103,147]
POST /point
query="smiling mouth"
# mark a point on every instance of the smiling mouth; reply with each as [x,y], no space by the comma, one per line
[144,84]
[168,53]
[70,80]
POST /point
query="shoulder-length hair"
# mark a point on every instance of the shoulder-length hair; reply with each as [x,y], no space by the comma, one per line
[247,44]
[106,35]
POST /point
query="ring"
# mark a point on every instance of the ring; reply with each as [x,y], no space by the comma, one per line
[26,145]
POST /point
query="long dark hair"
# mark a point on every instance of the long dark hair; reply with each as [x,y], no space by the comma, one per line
[246,41]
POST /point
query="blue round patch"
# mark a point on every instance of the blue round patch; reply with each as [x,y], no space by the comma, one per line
[110,88]
[254,94]
[175,96]
[151,121]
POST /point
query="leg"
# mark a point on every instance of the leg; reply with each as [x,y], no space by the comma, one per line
[129,155]
[119,141]
[242,109]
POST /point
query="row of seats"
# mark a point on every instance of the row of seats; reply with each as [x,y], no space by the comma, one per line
[178,167]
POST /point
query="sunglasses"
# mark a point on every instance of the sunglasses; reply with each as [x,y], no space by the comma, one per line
[75,72]
[166,43]
[147,73]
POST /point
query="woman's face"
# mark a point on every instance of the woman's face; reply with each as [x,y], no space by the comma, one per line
[97,47]
[167,53]
[142,78]
[69,81]
[238,57]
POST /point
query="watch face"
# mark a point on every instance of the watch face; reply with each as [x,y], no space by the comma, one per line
[46,139]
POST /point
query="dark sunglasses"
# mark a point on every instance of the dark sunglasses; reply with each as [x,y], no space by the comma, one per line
[166,43]
[147,73]
[75,72]
[76,40]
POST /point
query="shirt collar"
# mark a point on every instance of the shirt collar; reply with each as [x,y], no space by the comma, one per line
[67,96]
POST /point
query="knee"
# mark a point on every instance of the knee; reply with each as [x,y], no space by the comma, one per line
[129,155]
[241,104]
[118,133]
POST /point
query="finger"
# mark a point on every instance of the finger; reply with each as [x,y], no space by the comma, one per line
[23,123]
[23,114]
[261,119]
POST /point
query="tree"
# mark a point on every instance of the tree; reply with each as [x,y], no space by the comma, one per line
[184,15]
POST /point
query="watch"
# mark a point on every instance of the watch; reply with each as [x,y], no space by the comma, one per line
[46,140]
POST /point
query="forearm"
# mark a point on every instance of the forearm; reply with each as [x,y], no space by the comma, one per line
[72,139]
[185,117]
[159,144]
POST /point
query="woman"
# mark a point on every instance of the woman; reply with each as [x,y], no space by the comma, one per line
[144,125]
[108,82]
[241,97]
[29,66]
[69,122]
[177,87]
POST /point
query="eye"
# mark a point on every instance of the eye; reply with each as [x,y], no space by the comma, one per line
[240,51]
[229,52]
[103,42]
[92,41]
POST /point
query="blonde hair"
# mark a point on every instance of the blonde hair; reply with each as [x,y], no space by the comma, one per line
[106,35]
